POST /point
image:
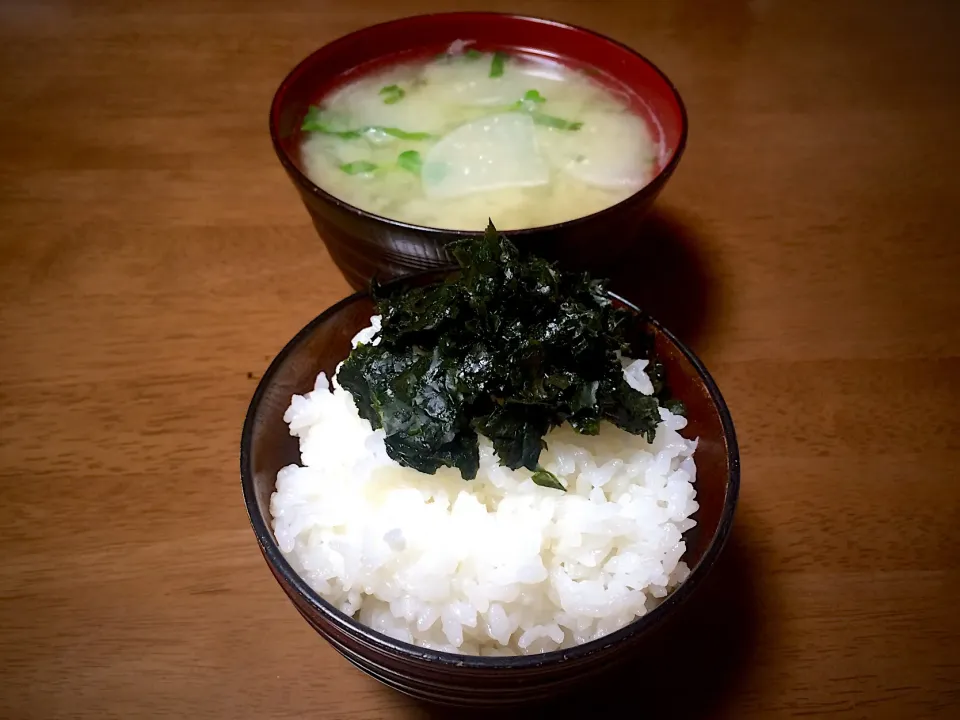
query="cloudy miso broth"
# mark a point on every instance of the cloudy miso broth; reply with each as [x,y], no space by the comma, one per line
[467,136]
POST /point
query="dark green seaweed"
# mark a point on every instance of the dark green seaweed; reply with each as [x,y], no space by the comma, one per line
[508,349]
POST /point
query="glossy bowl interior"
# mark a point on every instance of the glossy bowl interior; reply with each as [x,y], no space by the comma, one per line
[267,446]
[365,245]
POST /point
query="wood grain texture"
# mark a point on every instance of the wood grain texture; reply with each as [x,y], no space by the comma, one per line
[154,258]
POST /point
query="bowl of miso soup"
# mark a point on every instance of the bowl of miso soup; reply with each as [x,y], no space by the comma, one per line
[404,136]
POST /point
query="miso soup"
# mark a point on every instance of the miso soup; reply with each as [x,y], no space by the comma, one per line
[455,140]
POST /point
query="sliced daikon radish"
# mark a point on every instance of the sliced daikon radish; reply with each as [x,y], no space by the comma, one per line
[494,152]
[610,150]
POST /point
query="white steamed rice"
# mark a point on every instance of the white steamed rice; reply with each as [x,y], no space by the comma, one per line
[492,566]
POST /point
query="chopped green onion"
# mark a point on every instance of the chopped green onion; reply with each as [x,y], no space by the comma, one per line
[392,94]
[554,122]
[534,97]
[401,134]
[473,54]
[358,167]
[410,161]
[313,115]
[344,134]
[314,122]
[496,65]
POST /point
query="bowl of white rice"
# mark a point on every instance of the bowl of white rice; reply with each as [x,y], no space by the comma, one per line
[494,591]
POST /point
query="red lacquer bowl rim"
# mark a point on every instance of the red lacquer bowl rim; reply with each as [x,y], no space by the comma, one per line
[366,635]
[304,182]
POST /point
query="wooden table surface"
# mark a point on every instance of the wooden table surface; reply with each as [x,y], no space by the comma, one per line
[154,258]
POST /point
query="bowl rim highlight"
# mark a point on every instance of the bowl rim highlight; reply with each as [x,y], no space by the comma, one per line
[346,624]
[306,63]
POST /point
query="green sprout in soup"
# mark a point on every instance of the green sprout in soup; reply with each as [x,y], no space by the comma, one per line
[411,161]
[392,94]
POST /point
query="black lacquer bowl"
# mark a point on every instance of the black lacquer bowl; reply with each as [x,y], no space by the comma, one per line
[365,245]
[466,680]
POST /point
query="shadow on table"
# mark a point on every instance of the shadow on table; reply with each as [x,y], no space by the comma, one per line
[664,269]
[691,670]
